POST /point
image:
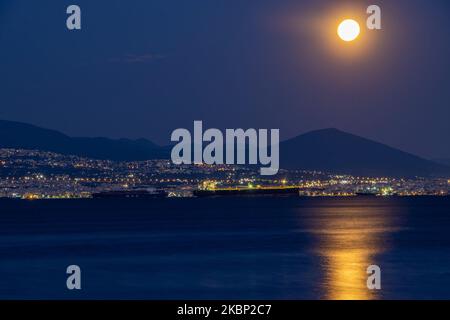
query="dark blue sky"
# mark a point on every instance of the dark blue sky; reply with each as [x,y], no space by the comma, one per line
[142,68]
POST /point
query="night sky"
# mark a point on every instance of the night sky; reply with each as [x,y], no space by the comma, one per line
[142,68]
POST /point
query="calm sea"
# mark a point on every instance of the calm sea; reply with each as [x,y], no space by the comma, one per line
[227,248]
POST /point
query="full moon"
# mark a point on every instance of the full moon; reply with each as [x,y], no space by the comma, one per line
[348,30]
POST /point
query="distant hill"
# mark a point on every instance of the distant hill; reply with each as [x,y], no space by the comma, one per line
[26,136]
[443,161]
[328,150]
[336,151]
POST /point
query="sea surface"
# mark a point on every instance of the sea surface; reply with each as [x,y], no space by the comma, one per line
[226,248]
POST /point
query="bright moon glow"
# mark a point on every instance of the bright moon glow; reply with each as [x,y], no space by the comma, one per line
[348,30]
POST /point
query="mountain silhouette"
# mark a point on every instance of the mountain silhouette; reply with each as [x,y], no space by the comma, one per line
[329,150]
[26,136]
[444,161]
[336,151]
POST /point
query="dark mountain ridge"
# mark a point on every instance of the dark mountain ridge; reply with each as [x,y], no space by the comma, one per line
[329,150]
[336,151]
[26,136]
